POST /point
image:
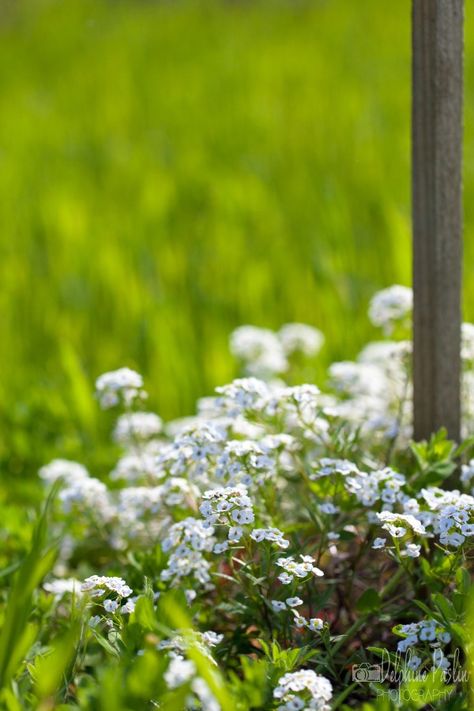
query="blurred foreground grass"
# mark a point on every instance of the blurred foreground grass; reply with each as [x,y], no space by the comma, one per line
[171,170]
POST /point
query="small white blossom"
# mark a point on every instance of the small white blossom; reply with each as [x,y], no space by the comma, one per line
[294,601]
[412,550]
[134,428]
[299,337]
[390,305]
[123,384]
[314,690]
[278,606]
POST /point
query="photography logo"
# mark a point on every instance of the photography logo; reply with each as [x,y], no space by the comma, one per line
[365,672]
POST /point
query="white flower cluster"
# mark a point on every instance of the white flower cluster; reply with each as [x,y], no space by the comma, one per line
[241,395]
[300,338]
[182,671]
[376,391]
[293,569]
[186,541]
[467,473]
[264,353]
[179,644]
[136,467]
[383,485]
[229,506]
[434,636]
[390,306]
[123,385]
[274,535]
[454,519]
[399,525]
[327,466]
[260,351]
[247,462]
[449,516]
[134,428]
[303,689]
[389,518]
[192,453]
[63,586]
[315,624]
[467,343]
[87,496]
[99,586]
[67,471]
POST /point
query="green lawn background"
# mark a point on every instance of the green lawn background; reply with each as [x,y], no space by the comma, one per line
[171,170]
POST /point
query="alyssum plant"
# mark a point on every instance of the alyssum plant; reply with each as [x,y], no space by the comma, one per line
[285,548]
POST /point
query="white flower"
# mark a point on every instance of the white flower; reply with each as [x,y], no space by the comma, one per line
[135,466]
[278,606]
[395,531]
[62,586]
[414,662]
[329,508]
[260,351]
[87,495]
[301,570]
[299,337]
[97,585]
[406,643]
[243,516]
[119,384]
[221,547]
[110,605]
[467,342]
[294,601]
[137,427]
[439,660]
[128,608]
[179,672]
[467,472]
[70,472]
[299,620]
[390,305]
[412,550]
[306,683]
[358,379]
[242,394]
[211,638]
[315,624]
[190,596]
[188,540]
[453,539]
[379,543]
[235,534]
[427,631]
[270,534]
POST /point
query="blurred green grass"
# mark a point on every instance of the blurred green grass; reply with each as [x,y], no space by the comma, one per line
[171,170]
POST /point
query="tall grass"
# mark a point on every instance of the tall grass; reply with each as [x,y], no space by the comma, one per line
[171,170]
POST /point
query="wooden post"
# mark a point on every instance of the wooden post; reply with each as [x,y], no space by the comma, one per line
[437,85]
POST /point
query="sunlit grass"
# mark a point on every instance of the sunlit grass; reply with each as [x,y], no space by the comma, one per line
[172,170]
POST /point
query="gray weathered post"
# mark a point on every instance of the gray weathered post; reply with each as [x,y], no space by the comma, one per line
[437,88]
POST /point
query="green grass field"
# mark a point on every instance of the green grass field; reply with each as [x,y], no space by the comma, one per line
[171,170]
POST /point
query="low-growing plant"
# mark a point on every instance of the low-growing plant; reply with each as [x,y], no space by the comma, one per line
[285,548]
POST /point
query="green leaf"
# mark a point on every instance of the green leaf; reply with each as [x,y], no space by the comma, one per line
[144,614]
[50,668]
[369,601]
